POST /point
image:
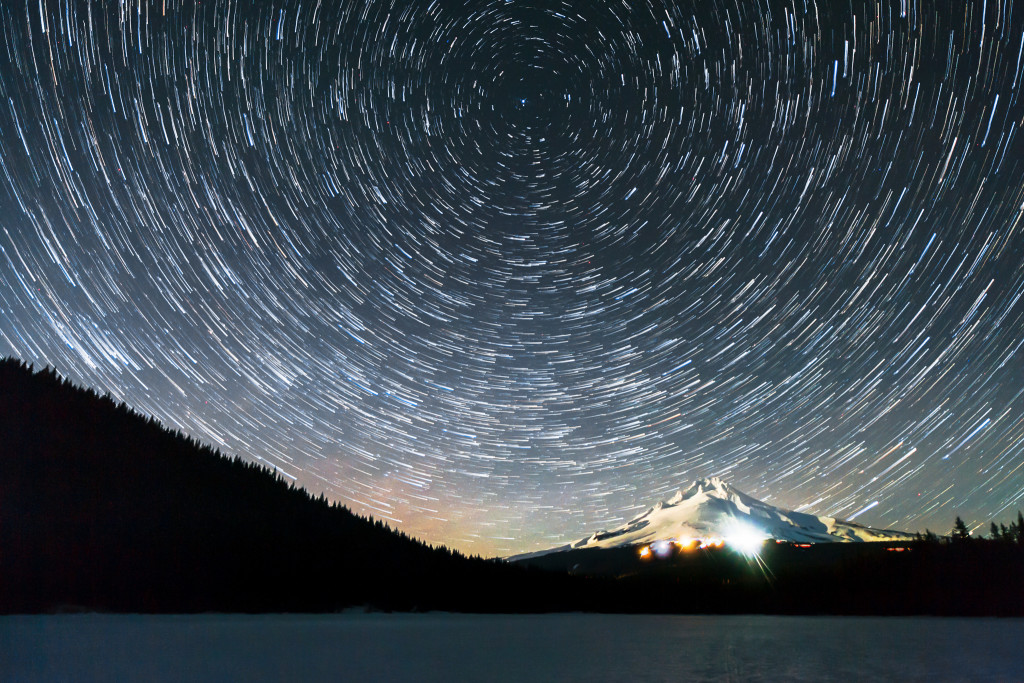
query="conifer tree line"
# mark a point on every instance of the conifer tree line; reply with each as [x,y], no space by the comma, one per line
[102,508]
[1000,533]
[1008,534]
[118,418]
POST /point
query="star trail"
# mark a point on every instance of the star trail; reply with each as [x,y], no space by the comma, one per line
[504,272]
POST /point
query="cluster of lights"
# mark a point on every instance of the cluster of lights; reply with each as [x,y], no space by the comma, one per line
[741,538]
[677,545]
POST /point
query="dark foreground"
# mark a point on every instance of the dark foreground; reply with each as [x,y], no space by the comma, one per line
[966,578]
[104,510]
[559,647]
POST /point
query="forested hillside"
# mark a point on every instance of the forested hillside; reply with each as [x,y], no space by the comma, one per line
[103,508]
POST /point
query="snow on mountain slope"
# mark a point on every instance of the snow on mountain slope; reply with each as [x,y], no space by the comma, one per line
[712,509]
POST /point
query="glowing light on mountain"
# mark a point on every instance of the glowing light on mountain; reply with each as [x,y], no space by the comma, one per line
[662,548]
[746,539]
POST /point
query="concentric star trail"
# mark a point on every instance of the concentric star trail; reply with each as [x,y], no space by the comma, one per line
[504,272]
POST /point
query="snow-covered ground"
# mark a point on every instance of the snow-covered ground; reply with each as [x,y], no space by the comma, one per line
[551,647]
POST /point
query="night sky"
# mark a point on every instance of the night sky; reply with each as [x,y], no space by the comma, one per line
[506,272]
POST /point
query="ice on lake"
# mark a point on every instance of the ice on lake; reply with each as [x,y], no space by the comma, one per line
[555,647]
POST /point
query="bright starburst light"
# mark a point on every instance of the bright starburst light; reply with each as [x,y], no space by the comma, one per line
[746,539]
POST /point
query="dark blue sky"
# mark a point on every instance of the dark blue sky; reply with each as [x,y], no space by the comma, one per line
[507,272]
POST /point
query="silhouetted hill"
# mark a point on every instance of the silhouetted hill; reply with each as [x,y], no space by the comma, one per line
[102,508]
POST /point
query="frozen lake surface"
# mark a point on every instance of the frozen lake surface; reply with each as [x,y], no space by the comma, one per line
[555,647]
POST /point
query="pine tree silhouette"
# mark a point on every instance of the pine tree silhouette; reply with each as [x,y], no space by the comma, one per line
[960,532]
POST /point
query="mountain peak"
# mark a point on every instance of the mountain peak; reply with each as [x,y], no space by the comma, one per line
[712,508]
[708,485]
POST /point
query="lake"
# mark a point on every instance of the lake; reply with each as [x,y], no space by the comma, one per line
[554,647]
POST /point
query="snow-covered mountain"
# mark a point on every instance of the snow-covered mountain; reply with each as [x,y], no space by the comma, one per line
[712,509]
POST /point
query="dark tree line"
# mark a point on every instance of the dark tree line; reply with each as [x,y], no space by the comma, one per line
[101,508]
[1014,533]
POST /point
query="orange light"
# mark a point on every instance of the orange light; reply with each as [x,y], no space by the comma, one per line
[645,552]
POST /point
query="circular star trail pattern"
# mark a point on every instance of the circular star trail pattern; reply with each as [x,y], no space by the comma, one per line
[503,272]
